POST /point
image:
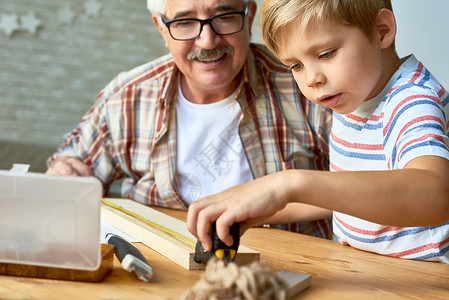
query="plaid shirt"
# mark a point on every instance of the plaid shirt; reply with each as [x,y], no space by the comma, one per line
[130,131]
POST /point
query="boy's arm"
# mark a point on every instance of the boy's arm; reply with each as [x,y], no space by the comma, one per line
[298,212]
[417,195]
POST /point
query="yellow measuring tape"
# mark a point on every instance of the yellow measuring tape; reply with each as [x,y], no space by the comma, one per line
[165,230]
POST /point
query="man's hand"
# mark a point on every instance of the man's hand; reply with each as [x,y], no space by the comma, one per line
[69,166]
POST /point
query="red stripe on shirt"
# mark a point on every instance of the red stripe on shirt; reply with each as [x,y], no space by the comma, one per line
[421,138]
[366,232]
[335,167]
[417,73]
[387,127]
[441,92]
[364,120]
[419,249]
[356,145]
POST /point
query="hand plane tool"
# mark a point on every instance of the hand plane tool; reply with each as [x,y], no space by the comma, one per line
[219,249]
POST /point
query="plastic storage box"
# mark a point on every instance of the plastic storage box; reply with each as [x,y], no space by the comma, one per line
[51,221]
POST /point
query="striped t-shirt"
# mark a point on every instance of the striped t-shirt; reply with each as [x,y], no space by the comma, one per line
[408,119]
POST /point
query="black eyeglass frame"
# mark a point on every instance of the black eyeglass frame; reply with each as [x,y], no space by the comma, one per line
[203,22]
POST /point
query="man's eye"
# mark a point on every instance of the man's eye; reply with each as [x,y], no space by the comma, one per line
[227,18]
[182,24]
[327,54]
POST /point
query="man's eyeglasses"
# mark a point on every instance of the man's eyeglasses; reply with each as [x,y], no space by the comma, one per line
[191,28]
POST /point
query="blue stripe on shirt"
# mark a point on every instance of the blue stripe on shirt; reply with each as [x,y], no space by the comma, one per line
[431,143]
[386,238]
[406,108]
[356,154]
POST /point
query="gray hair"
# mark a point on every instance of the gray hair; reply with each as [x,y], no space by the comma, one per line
[159,6]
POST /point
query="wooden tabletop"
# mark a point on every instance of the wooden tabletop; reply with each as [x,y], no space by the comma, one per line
[338,272]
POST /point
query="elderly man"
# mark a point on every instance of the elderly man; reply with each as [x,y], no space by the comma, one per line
[214,113]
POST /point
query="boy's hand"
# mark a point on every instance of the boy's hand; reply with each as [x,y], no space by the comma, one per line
[69,166]
[248,204]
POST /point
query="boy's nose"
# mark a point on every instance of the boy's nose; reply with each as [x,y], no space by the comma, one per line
[314,77]
[207,39]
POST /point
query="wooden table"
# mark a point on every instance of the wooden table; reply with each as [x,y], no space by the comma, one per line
[338,272]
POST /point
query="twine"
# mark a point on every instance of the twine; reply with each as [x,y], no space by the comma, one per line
[252,282]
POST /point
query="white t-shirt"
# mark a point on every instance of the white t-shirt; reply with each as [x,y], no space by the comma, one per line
[210,156]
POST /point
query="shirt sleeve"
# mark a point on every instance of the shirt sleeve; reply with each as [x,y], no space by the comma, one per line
[90,142]
[416,125]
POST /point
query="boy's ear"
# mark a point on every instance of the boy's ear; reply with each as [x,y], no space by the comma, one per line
[386,27]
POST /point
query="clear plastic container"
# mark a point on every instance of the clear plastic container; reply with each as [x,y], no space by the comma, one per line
[49,220]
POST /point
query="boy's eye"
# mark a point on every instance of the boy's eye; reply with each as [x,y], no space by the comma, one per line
[296,67]
[327,54]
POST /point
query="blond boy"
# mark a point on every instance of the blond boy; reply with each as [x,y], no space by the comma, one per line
[389,144]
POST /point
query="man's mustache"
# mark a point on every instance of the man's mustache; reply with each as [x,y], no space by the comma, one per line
[204,54]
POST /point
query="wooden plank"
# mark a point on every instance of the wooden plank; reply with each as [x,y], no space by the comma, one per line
[164,234]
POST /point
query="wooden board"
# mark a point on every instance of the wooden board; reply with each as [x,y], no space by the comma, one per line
[107,256]
[166,235]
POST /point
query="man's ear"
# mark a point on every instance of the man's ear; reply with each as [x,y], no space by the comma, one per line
[386,27]
[252,9]
[161,27]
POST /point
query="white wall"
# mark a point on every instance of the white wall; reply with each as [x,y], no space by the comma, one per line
[423,29]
